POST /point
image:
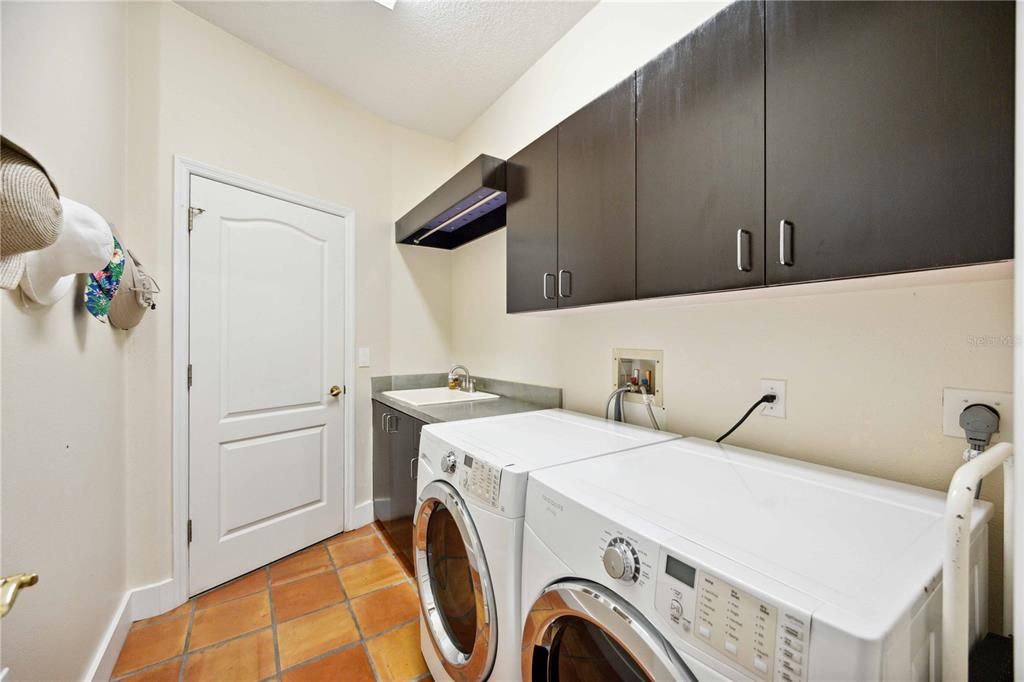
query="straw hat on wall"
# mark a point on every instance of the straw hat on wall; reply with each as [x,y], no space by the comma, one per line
[31,216]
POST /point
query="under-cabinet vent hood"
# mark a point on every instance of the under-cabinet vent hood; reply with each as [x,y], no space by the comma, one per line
[469,205]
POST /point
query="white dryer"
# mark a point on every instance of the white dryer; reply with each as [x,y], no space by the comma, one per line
[694,560]
[472,483]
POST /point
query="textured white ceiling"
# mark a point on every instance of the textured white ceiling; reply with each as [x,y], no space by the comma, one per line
[433,66]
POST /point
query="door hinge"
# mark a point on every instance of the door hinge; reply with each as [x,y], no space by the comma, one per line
[192,213]
[190,531]
[190,375]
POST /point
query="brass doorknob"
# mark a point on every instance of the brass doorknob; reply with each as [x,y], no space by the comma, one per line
[10,586]
[335,391]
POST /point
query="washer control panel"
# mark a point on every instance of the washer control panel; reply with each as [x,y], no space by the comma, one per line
[764,640]
[481,479]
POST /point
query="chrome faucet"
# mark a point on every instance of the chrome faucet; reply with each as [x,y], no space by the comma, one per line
[464,384]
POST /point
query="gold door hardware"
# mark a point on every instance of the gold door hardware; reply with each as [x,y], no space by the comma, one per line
[335,391]
[10,586]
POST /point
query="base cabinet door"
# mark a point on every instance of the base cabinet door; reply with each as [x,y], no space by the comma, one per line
[532,220]
[597,200]
[700,159]
[889,136]
[396,441]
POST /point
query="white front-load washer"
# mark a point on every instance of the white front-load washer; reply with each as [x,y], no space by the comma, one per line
[472,483]
[693,560]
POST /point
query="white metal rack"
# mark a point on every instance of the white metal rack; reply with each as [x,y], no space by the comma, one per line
[956,562]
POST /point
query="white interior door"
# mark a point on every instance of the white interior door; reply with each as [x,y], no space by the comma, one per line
[266,344]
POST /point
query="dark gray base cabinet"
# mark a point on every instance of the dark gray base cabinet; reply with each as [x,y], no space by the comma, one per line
[396,443]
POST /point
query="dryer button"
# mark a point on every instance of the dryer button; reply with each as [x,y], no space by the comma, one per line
[730,647]
[761,663]
[704,631]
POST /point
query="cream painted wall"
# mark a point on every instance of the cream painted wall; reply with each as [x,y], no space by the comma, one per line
[421,278]
[203,94]
[865,369]
[63,487]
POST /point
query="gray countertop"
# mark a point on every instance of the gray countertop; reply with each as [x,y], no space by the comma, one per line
[514,398]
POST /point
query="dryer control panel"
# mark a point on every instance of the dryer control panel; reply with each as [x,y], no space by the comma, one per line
[766,641]
[481,479]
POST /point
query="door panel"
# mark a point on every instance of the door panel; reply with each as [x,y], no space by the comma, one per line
[266,343]
[889,135]
[700,158]
[266,371]
[597,200]
[266,477]
[532,219]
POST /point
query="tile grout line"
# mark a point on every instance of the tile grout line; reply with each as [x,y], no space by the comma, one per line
[352,614]
[320,657]
[188,640]
[273,623]
[286,582]
[346,599]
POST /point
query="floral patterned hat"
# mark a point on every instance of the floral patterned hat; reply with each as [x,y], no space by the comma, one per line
[103,284]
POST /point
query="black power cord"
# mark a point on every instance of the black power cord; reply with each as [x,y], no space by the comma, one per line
[766,399]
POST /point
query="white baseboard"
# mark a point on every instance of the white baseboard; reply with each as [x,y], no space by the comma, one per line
[362,514]
[142,602]
[113,639]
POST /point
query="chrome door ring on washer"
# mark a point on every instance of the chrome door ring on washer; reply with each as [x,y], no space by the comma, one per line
[571,600]
[476,664]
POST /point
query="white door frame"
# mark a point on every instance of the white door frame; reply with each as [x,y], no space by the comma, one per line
[183,169]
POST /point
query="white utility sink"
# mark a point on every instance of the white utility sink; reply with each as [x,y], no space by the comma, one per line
[437,396]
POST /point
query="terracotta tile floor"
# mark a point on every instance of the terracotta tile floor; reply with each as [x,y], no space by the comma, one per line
[343,609]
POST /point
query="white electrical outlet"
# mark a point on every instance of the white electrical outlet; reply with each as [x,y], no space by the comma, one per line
[776,387]
[954,400]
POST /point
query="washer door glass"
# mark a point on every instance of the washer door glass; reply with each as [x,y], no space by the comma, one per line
[579,630]
[456,596]
[583,651]
[450,579]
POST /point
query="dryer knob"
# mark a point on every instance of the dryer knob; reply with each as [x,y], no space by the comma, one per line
[448,463]
[620,560]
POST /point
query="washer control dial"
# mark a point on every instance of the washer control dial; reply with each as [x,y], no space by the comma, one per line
[621,560]
[448,463]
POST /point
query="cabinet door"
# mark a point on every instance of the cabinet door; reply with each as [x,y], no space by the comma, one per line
[889,136]
[532,219]
[381,464]
[404,453]
[597,200]
[700,159]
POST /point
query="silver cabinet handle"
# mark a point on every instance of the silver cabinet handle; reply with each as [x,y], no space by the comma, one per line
[384,422]
[743,250]
[785,242]
[544,286]
[390,428]
[412,468]
[563,290]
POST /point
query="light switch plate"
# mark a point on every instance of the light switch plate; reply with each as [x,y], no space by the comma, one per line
[364,357]
[954,400]
[778,388]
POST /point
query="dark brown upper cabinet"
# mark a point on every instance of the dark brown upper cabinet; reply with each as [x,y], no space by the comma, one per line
[532,218]
[700,159]
[889,136]
[597,200]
